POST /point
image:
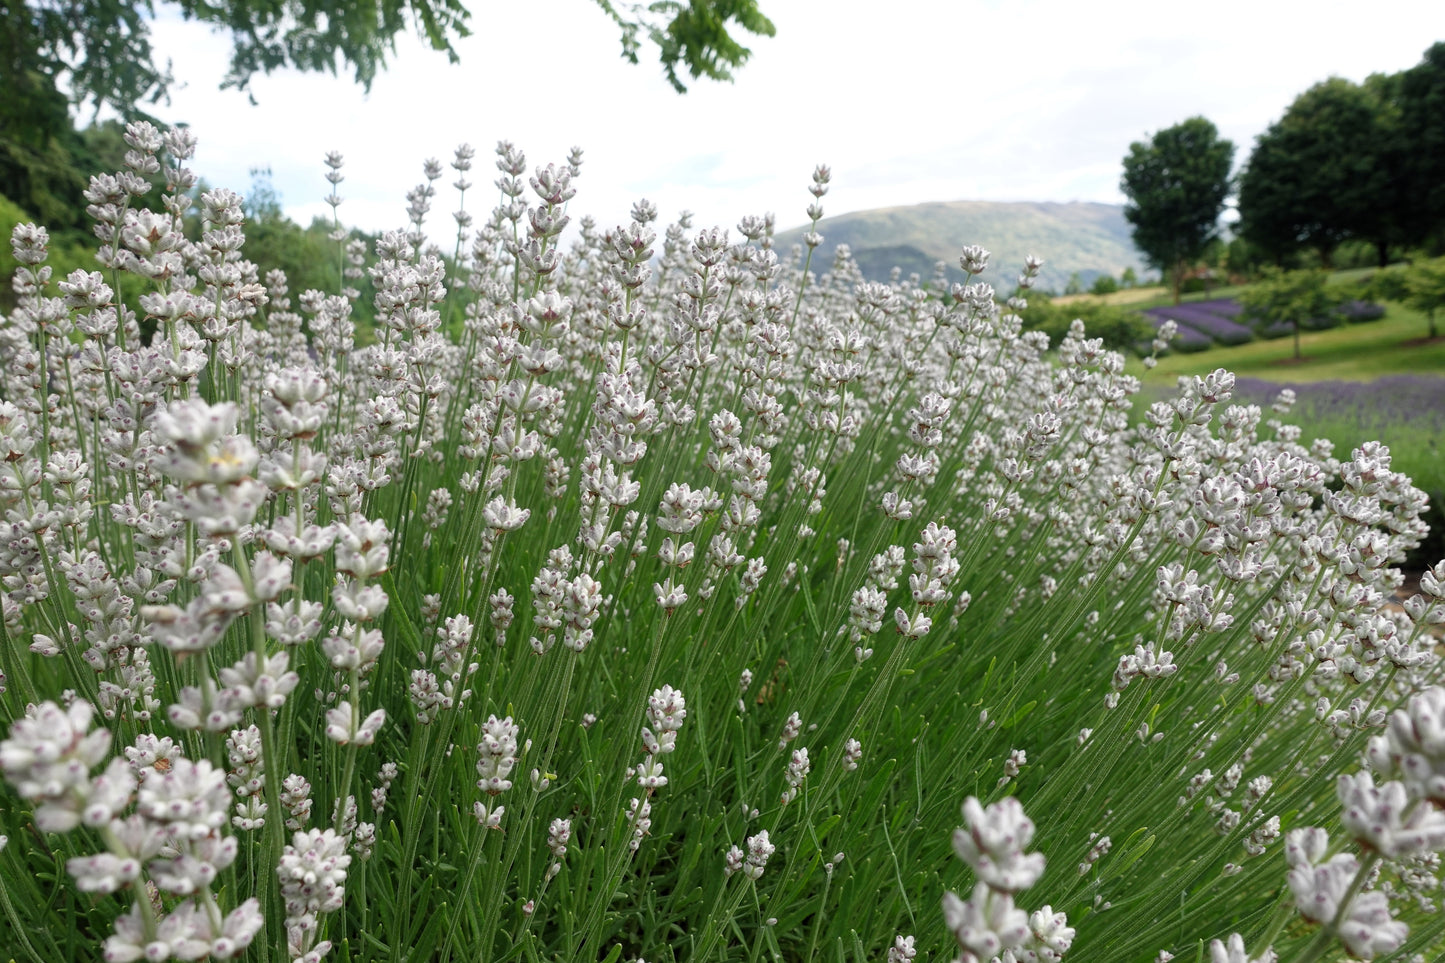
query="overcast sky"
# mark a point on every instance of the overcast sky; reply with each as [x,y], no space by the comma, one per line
[908,101]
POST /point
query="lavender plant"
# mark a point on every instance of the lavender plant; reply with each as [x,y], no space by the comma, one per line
[282,601]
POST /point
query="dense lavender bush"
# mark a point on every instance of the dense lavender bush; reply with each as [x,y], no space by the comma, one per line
[639,599]
[1357,311]
[1208,320]
[1185,339]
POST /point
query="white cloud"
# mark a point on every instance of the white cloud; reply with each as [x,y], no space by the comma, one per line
[908,101]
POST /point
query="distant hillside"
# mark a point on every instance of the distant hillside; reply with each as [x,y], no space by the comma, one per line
[1091,239]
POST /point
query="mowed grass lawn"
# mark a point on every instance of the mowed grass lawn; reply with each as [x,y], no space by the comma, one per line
[1353,352]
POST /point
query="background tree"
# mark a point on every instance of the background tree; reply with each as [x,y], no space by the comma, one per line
[1420,98]
[100,50]
[1287,298]
[1425,289]
[693,35]
[1318,176]
[1176,185]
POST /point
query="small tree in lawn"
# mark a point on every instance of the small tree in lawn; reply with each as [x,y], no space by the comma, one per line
[1104,284]
[1176,185]
[1287,297]
[1425,289]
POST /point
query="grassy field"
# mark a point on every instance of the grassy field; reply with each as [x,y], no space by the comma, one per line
[1157,295]
[1357,352]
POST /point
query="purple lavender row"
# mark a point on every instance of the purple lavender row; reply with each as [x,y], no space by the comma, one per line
[1187,336]
[1413,399]
[1214,325]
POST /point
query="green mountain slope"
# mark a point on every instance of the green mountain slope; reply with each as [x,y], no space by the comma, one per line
[1091,239]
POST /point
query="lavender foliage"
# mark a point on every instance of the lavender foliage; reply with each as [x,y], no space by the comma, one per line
[282,598]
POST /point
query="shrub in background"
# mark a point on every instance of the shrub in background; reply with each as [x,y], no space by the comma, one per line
[1356,311]
[1120,328]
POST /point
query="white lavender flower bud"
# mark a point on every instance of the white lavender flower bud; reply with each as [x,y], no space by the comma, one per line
[184,933]
[974,259]
[191,712]
[357,601]
[639,813]
[1414,745]
[987,923]
[47,758]
[497,755]
[1263,834]
[488,817]
[798,769]
[426,696]
[247,777]
[344,727]
[1368,930]
[558,835]
[362,547]
[296,800]
[202,442]
[852,752]
[150,751]
[759,849]
[296,623]
[670,595]
[1377,817]
[791,728]
[312,873]
[504,516]
[666,710]
[649,774]
[109,793]
[251,682]
[902,950]
[238,930]
[349,649]
[1052,934]
[1233,952]
[196,867]
[190,798]
[1319,887]
[103,872]
[993,843]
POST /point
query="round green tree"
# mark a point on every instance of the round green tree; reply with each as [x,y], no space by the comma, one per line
[1177,183]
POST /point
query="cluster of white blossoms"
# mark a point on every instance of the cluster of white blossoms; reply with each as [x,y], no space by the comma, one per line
[989,925]
[173,839]
[497,756]
[312,872]
[1399,820]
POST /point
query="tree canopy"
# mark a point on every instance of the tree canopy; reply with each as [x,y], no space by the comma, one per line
[1425,289]
[1177,184]
[1288,299]
[1420,102]
[693,35]
[57,55]
[1315,178]
[1352,162]
[100,50]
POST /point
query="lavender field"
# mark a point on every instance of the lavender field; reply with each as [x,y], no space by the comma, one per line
[1203,321]
[1405,412]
